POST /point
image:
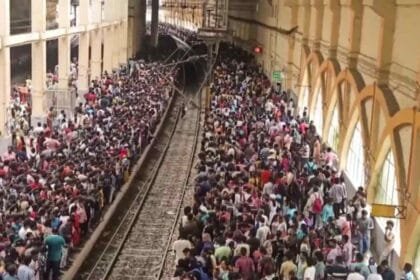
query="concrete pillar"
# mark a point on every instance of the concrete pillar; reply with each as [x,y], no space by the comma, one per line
[108,38]
[83,71]
[131,19]
[39,59]
[96,54]
[116,47]
[108,49]
[4,65]
[96,11]
[63,44]
[123,55]
[142,24]
[155,22]
[123,33]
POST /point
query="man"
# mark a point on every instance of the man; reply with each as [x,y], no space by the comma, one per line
[245,265]
[338,194]
[360,266]
[24,271]
[223,251]
[389,242]
[287,268]
[364,226]
[355,275]
[179,246]
[386,272]
[55,244]
[336,269]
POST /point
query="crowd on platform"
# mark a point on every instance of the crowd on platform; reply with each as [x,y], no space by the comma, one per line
[269,201]
[59,175]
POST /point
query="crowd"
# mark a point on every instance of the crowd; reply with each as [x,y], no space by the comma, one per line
[188,36]
[269,201]
[59,175]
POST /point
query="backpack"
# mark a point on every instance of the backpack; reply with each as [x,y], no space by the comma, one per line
[317,205]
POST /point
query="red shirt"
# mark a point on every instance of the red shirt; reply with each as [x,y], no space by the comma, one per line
[265,176]
[245,265]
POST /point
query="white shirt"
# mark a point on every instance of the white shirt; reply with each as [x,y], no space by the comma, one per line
[355,276]
[374,276]
[262,233]
[309,273]
[179,246]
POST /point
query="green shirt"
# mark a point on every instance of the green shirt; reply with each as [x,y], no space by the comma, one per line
[223,251]
[55,245]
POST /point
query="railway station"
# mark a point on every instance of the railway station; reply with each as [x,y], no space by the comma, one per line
[210,139]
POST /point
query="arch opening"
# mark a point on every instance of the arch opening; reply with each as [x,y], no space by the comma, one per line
[334,129]
[387,193]
[355,164]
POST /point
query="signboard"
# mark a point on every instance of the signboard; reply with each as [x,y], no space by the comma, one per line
[388,211]
[277,76]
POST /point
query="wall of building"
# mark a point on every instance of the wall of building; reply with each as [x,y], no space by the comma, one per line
[98,24]
[361,57]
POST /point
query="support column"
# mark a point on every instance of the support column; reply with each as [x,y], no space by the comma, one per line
[142,24]
[123,33]
[116,38]
[155,21]
[83,71]
[39,61]
[4,65]
[108,44]
[96,54]
[63,44]
[108,38]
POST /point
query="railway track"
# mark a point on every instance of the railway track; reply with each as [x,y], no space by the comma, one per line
[138,245]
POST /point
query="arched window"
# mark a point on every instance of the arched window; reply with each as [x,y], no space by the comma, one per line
[317,114]
[416,264]
[304,98]
[387,187]
[355,165]
[387,194]
[333,133]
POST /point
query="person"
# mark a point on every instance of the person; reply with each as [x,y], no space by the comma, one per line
[179,246]
[360,266]
[287,268]
[364,227]
[25,272]
[347,250]
[310,270]
[355,275]
[245,265]
[385,271]
[408,272]
[319,266]
[336,269]
[54,244]
[389,238]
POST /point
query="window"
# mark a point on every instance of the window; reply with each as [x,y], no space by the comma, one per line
[334,130]
[317,114]
[304,98]
[387,187]
[416,264]
[387,194]
[355,165]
